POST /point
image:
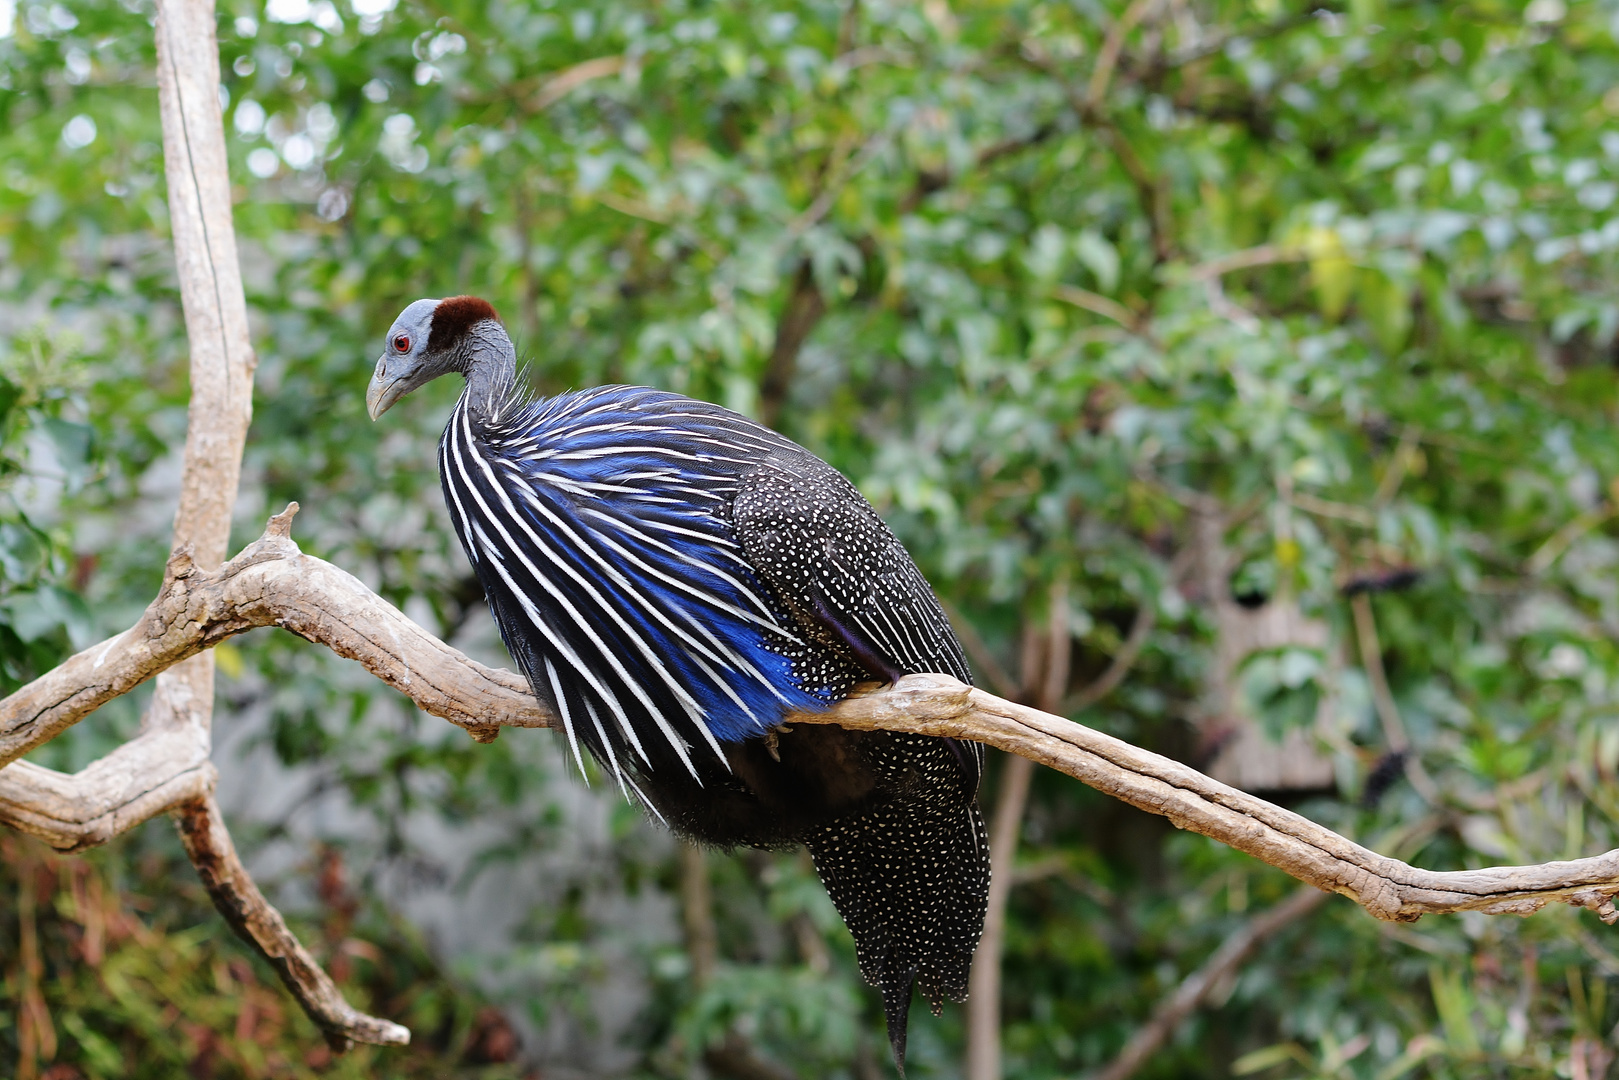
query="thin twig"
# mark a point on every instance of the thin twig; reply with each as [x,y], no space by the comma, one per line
[1310,504]
[983,659]
[1264,255]
[1561,540]
[572,78]
[1399,464]
[1123,660]
[1097,304]
[1107,59]
[1371,660]
[1197,987]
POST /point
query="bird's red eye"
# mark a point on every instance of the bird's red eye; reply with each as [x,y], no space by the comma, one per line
[402,343]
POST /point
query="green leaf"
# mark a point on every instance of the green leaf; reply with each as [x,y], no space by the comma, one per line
[1099,257]
[1386,306]
[1269,1058]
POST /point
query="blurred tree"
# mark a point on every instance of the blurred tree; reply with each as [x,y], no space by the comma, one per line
[1204,307]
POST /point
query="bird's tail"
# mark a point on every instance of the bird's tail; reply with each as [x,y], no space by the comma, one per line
[910,876]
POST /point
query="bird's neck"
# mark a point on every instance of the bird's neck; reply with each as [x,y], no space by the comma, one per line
[490,364]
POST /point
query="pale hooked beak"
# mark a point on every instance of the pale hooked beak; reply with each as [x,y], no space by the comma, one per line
[385,389]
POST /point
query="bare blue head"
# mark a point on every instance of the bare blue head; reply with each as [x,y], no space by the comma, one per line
[432,338]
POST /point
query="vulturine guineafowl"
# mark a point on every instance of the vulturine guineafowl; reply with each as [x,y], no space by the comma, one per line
[674,579]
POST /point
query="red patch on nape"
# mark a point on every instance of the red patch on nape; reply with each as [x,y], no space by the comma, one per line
[454,317]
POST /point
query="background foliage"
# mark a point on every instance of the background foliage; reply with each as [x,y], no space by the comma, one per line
[1043,278]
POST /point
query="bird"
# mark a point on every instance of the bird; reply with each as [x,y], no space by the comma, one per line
[674,580]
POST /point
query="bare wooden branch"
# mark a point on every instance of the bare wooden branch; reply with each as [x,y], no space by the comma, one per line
[167,767]
[250,915]
[222,360]
[272,583]
[1387,888]
[149,775]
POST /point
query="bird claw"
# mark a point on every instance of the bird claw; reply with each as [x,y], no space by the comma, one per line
[773,741]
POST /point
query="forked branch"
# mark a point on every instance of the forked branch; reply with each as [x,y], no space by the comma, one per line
[272,583]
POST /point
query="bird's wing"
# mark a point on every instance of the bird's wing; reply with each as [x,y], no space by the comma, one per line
[836,565]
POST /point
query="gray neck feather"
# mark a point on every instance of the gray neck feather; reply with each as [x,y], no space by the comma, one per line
[489,362]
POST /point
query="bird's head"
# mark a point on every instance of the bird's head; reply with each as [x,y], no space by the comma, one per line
[430,338]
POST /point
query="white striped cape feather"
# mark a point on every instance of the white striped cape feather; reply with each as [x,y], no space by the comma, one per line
[672,576]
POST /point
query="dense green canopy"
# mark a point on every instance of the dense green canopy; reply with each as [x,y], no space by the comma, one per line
[1053,283]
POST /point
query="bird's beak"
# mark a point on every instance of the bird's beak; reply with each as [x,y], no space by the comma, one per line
[386,388]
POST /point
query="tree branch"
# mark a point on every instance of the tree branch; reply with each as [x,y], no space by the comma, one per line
[112,795]
[1264,255]
[202,830]
[1387,888]
[272,583]
[1123,660]
[1112,45]
[1045,680]
[1200,984]
[799,317]
[222,359]
[162,768]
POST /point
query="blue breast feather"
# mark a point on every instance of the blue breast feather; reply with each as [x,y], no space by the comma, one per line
[599,524]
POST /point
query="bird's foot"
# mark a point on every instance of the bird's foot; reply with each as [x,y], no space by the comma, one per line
[773,741]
